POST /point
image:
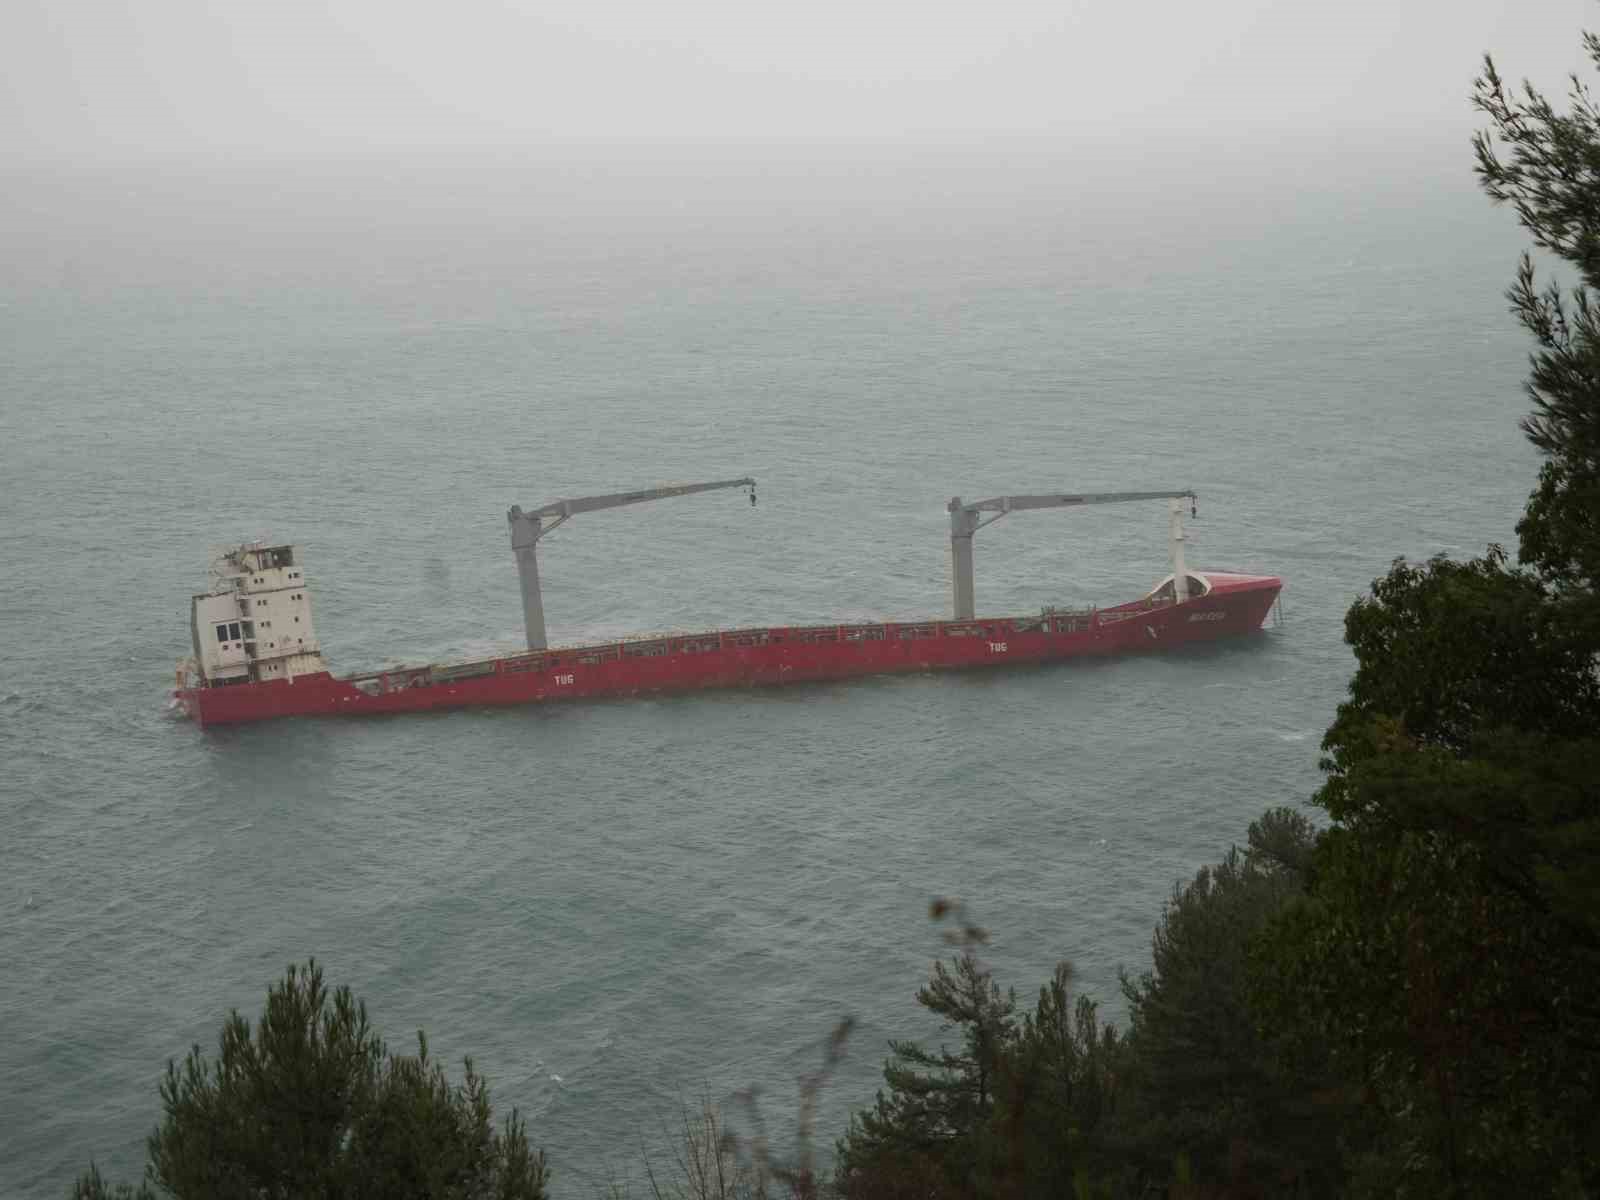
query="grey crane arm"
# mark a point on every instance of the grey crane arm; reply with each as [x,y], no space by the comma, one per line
[528,527]
[583,504]
[1004,504]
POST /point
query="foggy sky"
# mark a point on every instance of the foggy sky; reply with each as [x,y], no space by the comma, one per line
[88,79]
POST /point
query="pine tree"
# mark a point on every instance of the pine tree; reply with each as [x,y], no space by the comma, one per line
[309,1104]
[924,1137]
[1058,1092]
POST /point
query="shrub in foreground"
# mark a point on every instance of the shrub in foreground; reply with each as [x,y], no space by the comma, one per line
[310,1103]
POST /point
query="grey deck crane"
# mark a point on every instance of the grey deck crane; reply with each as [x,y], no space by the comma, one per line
[528,527]
[965,521]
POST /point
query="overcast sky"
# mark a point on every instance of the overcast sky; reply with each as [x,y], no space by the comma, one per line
[98,78]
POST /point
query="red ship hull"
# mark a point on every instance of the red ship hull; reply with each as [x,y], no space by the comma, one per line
[1234,605]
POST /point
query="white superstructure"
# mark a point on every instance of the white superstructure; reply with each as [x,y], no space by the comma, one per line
[254,626]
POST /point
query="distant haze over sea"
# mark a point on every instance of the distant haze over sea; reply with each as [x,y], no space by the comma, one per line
[660,897]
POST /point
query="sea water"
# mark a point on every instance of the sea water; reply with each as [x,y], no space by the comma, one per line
[624,906]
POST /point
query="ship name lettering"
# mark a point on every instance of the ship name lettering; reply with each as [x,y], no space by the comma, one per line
[564,680]
[997,647]
[1207,616]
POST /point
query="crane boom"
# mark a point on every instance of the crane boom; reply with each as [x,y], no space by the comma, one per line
[965,521]
[583,504]
[1057,500]
[527,527]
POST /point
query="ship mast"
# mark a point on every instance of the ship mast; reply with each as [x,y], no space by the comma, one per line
[965,521]
[528,527]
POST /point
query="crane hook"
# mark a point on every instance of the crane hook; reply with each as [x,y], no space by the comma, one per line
[752,497]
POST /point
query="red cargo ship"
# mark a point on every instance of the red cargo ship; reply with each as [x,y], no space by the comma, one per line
[257,657]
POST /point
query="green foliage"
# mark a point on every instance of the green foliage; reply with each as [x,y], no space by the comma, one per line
[91,1185]
[1197,1100]
[1451,649]
[1459,883]
[1057,1096]
[423,1136]
[1015,1112]
[1454,1004]
[1281,842]
[1246,1111]
[927,1127]
[1472,716]
[1448,944]
[1546,165]
[310,1104]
